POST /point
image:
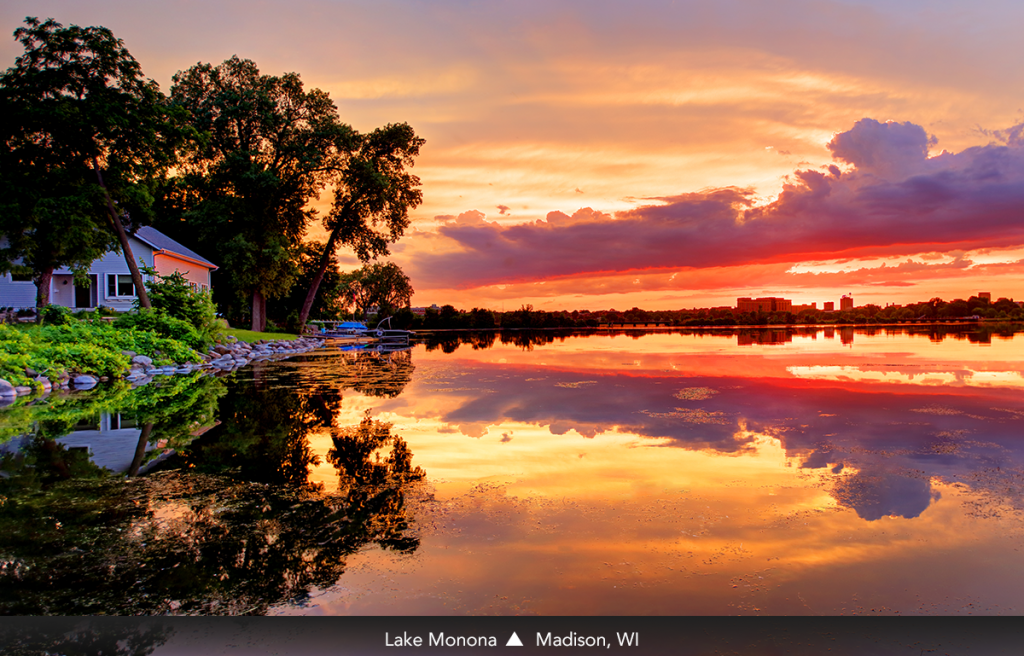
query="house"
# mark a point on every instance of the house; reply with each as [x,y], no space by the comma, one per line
[110,282]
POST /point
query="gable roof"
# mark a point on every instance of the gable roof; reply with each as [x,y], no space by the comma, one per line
[161,242]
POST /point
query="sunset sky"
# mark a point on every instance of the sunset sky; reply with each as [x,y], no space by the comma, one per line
[595,155]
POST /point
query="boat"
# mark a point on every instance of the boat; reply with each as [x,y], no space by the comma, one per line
[357,333]
[390,335]
[344,330]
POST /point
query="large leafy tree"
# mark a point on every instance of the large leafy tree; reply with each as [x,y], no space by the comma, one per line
[372,200]
[271,147]
[383,284]
[88,140]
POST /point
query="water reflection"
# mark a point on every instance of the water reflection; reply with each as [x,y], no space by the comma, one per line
[782,471]
[230,524]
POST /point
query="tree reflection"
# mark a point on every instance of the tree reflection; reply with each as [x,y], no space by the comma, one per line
[379,374]
[201,542]
[373,482]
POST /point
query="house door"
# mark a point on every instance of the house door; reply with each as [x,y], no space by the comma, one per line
[85,297]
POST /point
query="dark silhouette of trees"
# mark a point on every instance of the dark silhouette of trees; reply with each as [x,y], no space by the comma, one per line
[270,147]
[88,142]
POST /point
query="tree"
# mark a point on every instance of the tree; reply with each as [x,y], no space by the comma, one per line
[270,148]
[372,199]
[88,141]
[382,284]
[329,302]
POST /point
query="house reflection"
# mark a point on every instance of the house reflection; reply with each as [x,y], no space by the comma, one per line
[117,443]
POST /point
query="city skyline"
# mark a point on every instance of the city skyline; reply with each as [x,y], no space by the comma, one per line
[662,155]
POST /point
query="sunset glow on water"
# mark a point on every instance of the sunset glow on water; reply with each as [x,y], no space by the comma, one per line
[684,474]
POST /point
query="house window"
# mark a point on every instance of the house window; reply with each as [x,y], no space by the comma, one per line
[117,422]
[120,286]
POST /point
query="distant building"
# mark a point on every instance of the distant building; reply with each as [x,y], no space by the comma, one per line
[422,311]
[767,304]
[829,306]
[801,308]
[846,303]
[985,295]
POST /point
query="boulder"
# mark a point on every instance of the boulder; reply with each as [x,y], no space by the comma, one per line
[6,389]
[83,381]
[143,360]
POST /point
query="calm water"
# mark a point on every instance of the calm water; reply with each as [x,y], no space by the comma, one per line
[764,472]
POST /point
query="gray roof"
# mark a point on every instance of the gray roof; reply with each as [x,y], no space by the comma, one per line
[160,241]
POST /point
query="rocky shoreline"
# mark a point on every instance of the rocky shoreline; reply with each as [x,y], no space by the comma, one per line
[221,358]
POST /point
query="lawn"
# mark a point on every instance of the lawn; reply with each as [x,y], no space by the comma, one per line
[253,336]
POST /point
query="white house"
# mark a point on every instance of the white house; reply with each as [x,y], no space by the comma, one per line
[110,282]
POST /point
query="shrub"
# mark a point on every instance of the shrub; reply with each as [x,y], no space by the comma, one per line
[163,325]
[173,296]
[56,315]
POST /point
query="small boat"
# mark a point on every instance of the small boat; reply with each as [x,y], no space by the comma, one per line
[345,330]
[353,332]
[389,334]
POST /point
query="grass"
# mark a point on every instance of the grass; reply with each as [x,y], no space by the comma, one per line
[253,336]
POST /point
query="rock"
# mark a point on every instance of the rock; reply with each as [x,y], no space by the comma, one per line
[6,389]
[220,348]
[45,383]
[83,381]
[143,360]
[31,373]
[22,390]
[128,354]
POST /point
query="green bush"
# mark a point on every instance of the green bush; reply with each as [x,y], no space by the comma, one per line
[56,314]
[173,296]
[162,324]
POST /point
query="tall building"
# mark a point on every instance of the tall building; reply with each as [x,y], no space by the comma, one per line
[846,302]
[830,306]
[985,295]
[766,304]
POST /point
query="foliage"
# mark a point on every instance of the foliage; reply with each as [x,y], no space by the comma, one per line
[86,347]
[156,322]
[172,295]
[372,199]
[56,314]
[83,131]
[382,284]
[270,148]
[328,303]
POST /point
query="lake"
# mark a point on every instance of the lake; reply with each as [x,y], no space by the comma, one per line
[780,472]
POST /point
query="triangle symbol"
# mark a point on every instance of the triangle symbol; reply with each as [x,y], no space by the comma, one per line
[514,641]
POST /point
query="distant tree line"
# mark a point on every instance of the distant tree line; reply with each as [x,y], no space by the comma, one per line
[526,317]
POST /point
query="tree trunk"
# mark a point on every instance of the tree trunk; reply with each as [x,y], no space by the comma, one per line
[259,312]
[314,286]
[122,236]
[140,449]
[43,290]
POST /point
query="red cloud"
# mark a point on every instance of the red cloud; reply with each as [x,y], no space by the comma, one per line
[895,200]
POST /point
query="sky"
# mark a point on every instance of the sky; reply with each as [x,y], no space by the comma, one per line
[665,155]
